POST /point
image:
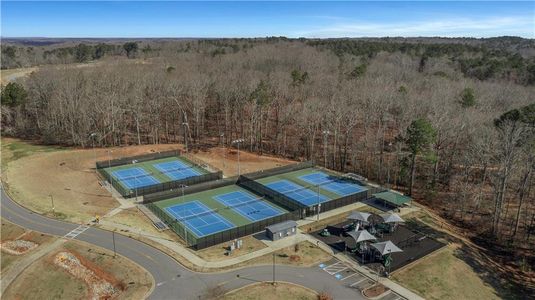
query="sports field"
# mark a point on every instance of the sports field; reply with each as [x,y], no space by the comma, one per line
[311,185]
[147,173]
[212,211]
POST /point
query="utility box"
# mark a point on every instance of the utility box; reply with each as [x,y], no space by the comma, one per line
[281,230]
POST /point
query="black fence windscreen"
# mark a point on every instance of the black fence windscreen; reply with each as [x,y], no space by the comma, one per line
[139,158]
[155,188]
[217,238]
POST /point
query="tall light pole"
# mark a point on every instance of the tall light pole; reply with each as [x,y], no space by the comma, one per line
[53,207]
[325,135]
[319,204]
[273,283]
[93,135]
[186,125]
[113,238]
[109,164]
[222,135]
[182,186]
[238,141]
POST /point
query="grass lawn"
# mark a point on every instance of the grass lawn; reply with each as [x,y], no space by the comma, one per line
[306,256]
[11,232]
[444,276]
[133,281]
[217,252]
[266,291]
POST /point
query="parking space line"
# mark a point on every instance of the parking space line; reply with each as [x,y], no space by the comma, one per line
[357,282]
[349,276]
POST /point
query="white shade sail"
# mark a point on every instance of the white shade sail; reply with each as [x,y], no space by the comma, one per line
[386,247]
[359,216]
[361,235]
[392,218]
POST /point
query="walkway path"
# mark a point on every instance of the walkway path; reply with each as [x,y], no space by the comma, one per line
[275,246]
[172,279]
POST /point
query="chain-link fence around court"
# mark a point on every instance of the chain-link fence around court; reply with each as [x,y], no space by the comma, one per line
[105,173]
[217,238]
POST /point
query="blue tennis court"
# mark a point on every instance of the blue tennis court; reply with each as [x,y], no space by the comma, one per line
[198,218]
[176,170]
[134,177]
[332,183]
[248,206]
[297,192]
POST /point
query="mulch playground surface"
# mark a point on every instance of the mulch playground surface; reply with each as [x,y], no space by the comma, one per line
[414,243]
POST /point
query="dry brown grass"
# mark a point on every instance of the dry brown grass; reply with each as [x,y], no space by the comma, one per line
[12,74]
[217,252]
[226,160]
[444,276]
[11,231]
[45,280]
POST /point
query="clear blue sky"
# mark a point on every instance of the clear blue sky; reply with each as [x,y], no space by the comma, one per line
[260,19]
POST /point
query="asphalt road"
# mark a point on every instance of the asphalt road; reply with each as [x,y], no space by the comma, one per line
[174,281]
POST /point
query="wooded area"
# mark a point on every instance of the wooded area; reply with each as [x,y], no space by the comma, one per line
[450,123]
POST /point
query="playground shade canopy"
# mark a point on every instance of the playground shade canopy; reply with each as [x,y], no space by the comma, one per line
[392,198]
[359,216]
[386,247]
[392,218]
[361,235]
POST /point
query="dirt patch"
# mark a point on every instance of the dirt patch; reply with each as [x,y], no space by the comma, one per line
[71,182]
[127,278]
[267,291]
[17,247]
[226,160]
[375,290]
[99,287]
[12,74]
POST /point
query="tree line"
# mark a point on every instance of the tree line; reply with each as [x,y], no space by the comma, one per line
[460,145]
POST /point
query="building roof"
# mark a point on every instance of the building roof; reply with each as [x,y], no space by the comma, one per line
[392,198]
[282,226]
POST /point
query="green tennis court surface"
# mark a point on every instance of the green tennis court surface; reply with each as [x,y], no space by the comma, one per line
[142,174]
[219,209]
[311,186]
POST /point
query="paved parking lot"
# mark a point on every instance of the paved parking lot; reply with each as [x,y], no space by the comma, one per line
[352,279]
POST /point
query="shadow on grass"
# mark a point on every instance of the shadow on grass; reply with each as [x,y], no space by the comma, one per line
[506,283]
[496,267]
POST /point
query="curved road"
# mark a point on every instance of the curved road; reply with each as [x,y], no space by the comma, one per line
[174,281]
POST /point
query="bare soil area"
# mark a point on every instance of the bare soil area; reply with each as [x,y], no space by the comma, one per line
[226,159]
[17,247]
[64,176]
[11,74]
[16,243]
[375,290]
[36,175]
[267,291]
[78,270]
